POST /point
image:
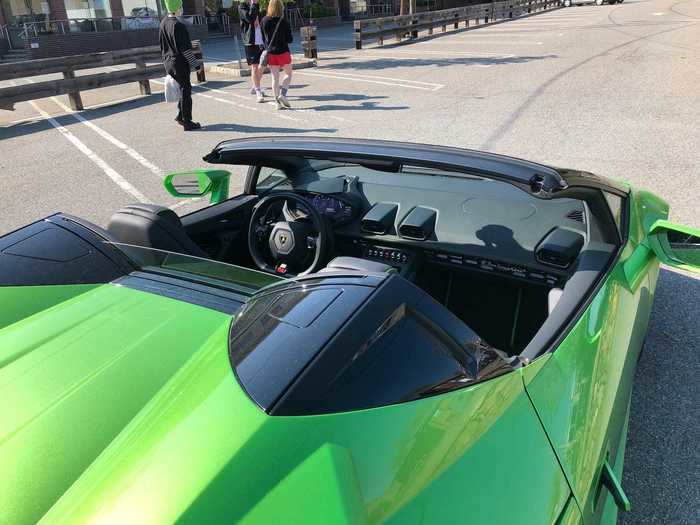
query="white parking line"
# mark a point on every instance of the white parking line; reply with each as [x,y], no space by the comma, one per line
[296,110]
[110,138]
[371,79]
[106,168]
[446,54]
[231,102]
[184,202]
[94,157]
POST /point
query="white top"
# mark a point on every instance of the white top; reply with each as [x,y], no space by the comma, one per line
[258,35]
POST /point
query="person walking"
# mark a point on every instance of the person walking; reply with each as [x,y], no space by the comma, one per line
[251,34]
[277,34]
[178,60]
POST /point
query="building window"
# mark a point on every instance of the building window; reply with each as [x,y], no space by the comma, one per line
[88,9]
[20,12]
[141,8]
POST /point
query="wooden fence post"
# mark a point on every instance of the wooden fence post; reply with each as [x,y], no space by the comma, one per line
[358,34]
[308,41]
[144,85]
[76,102]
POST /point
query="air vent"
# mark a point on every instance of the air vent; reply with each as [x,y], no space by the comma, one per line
[412,232]
[575,215]
[560,248]
[374,227]
[419,224]
[380,218]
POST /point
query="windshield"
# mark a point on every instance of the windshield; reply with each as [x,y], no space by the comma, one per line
[208,271]
[327,176]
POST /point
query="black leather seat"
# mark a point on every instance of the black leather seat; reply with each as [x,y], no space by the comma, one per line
[152,226]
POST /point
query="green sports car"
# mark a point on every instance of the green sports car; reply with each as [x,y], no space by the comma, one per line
[372,332]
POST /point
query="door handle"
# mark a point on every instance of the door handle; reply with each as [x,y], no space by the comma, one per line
[610,482]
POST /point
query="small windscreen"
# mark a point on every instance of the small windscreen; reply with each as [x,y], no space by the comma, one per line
[161,261]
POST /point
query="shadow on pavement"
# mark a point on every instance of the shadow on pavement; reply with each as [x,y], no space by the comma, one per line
[368,105]
[662,461]
[338,97]
[67,120]
[240,128]
[387,63]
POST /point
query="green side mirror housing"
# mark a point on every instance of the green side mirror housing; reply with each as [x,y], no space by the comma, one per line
[676,245]
[198,183]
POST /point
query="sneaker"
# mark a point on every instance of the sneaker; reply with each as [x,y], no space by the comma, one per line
[283,100]
[252,91]
[191,126]
[260,96]
[280,105]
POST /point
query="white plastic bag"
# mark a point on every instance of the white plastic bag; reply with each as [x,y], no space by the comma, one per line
[173,93]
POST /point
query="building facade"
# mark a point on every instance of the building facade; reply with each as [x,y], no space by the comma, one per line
[19,12]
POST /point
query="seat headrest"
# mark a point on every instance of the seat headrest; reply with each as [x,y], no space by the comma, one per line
[152,226]
[144,210]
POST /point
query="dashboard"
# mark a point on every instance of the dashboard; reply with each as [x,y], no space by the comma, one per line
[339,211]
[490,228]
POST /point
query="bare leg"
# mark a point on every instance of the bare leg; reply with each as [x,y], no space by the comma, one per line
[287,78]
[255,76]
[275,72]
[260,75]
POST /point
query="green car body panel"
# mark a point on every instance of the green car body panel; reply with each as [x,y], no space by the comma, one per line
[118,426]
[123,408]
[73,377]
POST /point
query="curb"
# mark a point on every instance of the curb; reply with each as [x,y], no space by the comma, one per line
[231,68]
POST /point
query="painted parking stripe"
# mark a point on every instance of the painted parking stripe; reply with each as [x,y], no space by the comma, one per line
[457,54]
[96,159]
[296,110]
[386,81]
[113,140]
[110,138]
[196,91]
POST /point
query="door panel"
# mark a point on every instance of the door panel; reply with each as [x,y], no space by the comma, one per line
[582,392]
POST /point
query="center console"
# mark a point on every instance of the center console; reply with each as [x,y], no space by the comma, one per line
[401,259]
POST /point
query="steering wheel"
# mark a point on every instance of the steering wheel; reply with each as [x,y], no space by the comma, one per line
[288,240]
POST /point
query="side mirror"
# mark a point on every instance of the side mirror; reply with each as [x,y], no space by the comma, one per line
[197,183]
[676,245]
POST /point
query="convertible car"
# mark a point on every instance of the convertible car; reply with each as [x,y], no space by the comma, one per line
[372,332]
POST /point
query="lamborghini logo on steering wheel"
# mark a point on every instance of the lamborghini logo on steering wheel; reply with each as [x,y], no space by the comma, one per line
[283,239]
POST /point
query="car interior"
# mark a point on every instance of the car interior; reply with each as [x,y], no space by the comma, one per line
[498,258]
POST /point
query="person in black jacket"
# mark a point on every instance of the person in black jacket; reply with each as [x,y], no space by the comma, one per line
[178,59]
[251,34]
[277,34]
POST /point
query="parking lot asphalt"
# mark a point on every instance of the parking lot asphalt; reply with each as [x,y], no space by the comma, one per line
[608,89]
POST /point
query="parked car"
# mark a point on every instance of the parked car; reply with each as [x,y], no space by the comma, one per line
[569,3]
[372,332]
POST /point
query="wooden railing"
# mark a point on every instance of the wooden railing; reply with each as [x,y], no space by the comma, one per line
[408,26]
[72,85]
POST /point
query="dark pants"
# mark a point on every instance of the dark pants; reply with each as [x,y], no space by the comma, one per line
[180,71]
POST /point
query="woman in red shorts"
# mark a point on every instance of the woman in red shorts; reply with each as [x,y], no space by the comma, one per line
[277,34]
